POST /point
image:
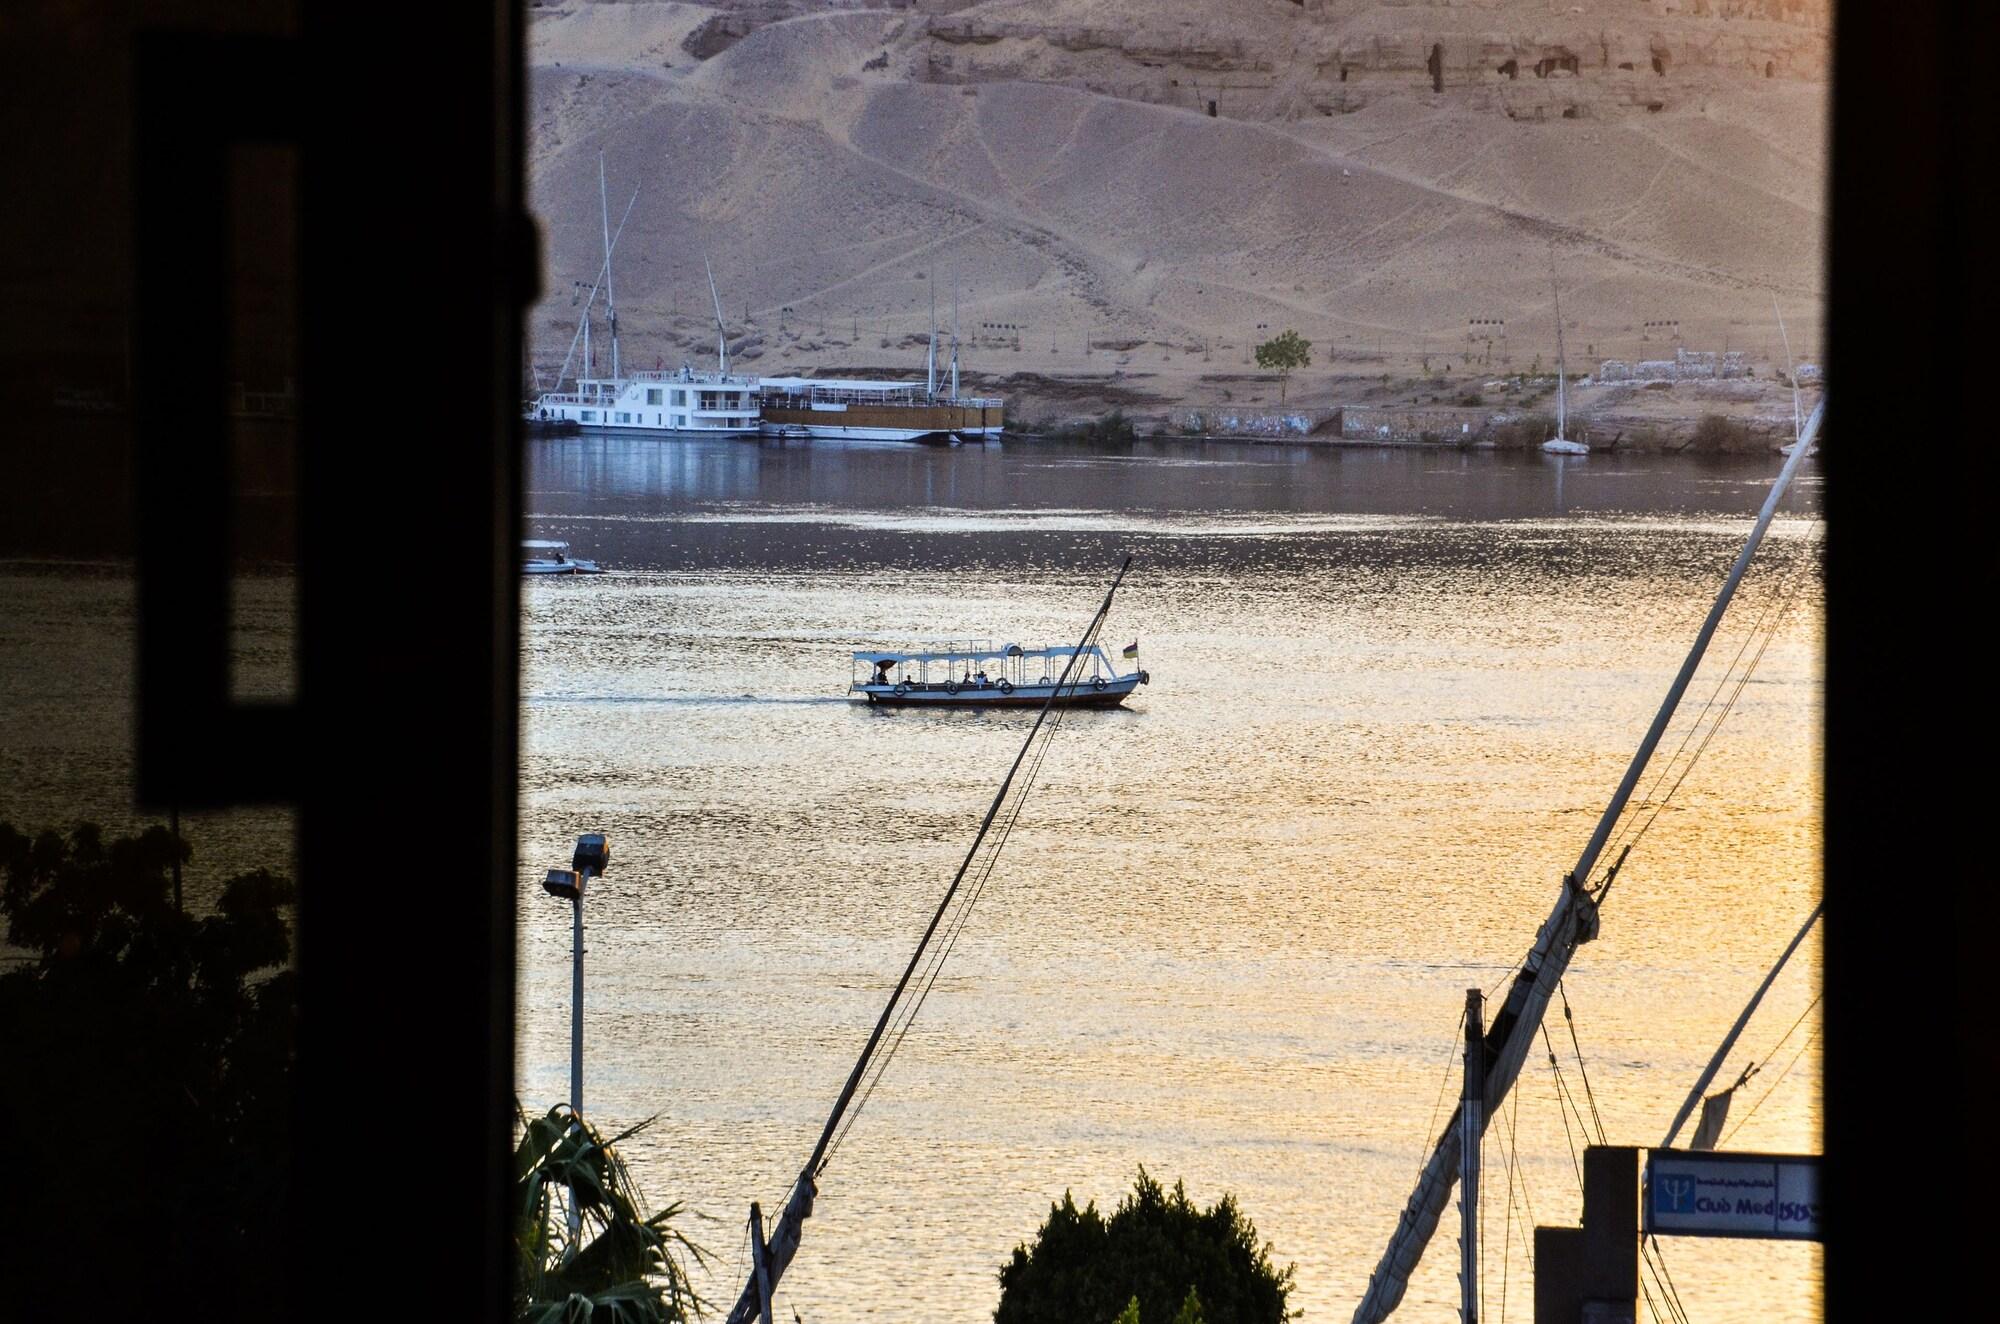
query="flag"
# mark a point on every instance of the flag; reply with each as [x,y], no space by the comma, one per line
[1132,649]
[1714,1112]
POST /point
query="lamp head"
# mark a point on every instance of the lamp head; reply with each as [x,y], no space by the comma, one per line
[592,853]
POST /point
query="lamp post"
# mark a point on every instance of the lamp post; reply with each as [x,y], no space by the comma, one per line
[592,858]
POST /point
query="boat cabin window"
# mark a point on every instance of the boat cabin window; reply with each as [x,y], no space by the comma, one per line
[681,398]
[653,394]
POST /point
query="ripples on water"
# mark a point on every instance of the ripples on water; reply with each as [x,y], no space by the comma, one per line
[1231,935]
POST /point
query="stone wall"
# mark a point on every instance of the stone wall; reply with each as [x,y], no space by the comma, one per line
[1687,365]
[1259,423]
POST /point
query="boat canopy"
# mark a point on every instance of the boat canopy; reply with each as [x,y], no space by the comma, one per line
[543,545]
[880,658]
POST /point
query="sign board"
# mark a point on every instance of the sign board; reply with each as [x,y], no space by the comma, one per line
[1717,1193]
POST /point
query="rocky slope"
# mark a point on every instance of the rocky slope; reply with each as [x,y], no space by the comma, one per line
[1108,187]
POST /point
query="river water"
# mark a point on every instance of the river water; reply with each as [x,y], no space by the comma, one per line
[1230,937]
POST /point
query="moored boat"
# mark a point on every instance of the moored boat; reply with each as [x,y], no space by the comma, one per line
[981,675]
[852,409]
[550,556]
[698,403]
[835,409]
[1560,444]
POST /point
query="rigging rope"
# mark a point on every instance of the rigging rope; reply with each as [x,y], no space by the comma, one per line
[1774,1085]
[1762,632]
[956,926]
[1444,1082]
[1570,1020]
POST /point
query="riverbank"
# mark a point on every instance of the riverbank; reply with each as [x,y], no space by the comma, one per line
[1745,414]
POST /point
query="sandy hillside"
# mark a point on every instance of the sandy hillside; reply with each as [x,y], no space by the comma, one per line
[1377,176]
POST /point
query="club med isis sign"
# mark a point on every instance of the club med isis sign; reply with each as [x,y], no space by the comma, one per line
[1711,1193]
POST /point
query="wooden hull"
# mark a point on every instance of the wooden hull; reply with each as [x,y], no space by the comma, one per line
[887,422]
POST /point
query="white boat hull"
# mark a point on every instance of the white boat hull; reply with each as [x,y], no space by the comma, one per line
[1107,692]
[1559,446]
[824,432]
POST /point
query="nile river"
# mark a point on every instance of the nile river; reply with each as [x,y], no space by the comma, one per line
[1231,935]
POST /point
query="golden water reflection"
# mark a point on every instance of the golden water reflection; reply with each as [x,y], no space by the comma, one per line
[1231,934]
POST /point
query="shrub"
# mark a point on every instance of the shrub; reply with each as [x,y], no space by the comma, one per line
[1716,433]
[1524,431]
[1156,1250]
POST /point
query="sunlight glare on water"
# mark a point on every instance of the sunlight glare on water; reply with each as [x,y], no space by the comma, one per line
[1231,935]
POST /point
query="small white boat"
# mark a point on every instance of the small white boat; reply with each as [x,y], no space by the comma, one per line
[548,556]
[1560,444]
[980,675]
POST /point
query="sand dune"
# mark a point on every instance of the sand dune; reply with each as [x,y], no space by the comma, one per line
[1052,166]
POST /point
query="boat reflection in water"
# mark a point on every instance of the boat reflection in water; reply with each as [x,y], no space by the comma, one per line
[986,676]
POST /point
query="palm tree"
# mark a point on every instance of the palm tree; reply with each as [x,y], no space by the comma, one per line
[619,1266]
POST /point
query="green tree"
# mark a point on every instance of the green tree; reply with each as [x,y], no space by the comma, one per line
[623,1266]
[149,1057]
[1281,354]
[1158,1251]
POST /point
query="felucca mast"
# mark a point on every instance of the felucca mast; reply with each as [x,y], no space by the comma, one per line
[1562,395]
[954,340]
[770,1256]
[610,299]
[1572,923]
[930,351]
[721,336]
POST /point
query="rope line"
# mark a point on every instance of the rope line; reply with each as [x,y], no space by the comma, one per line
[1774,1085]
[906,1015]
[1763,632]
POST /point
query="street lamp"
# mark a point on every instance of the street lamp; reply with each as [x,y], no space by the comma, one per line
[592,858]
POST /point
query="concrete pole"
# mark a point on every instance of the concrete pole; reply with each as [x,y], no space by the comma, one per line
[576,995]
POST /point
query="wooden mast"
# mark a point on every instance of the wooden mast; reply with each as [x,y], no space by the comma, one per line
[1570,924]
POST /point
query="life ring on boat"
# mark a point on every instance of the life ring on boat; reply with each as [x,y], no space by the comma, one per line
[902,687]
[1097,683]
[951,687]
[1045,681]
[1006,687]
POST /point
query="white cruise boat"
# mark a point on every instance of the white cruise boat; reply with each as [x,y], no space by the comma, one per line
[708,404]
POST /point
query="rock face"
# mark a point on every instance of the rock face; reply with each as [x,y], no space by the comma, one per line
[1154,187]
[1278,59]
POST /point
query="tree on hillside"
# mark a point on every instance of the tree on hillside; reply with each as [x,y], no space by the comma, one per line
[1281,354]
[1158,1259]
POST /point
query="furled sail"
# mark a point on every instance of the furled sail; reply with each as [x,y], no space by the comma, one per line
[1570,924]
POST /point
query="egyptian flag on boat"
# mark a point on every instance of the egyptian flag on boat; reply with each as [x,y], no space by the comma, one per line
[1132,649]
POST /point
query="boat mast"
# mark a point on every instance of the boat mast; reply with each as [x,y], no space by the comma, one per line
[1562,396]
[930,350]
[1736,1030]
[954,340]
[721,336]
[1570,924]
[610,298]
